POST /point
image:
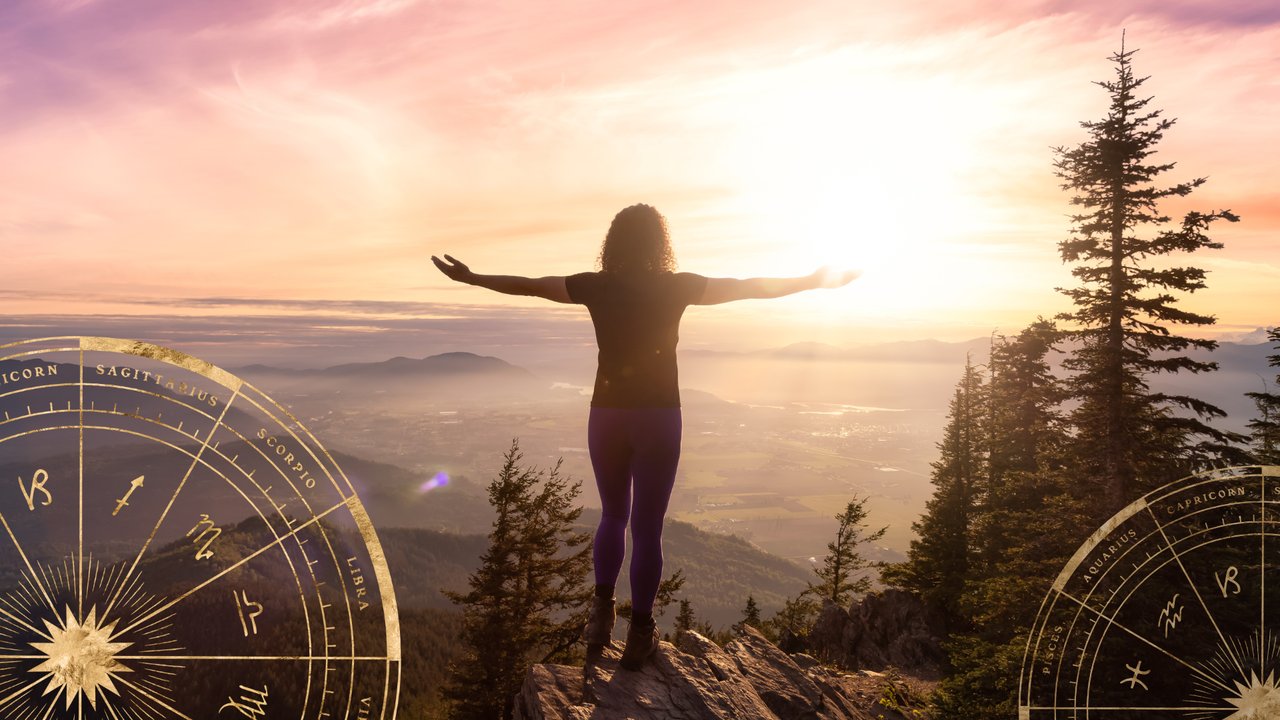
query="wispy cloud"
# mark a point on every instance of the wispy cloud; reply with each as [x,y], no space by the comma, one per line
[298,151]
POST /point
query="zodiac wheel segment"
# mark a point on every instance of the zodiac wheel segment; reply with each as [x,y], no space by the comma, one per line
[175,544]
[1170,609]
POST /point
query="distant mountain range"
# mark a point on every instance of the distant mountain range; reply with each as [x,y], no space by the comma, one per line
[458,375]
[906,375]
[434,366]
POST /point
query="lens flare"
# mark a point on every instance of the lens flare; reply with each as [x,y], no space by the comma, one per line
[440,480]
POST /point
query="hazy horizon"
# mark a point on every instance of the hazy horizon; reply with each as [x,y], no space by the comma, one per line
[546,335]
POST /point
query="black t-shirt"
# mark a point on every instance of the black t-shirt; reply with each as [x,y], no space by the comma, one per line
[637,321]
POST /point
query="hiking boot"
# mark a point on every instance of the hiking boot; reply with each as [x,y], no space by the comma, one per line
[598,631]
[642,642]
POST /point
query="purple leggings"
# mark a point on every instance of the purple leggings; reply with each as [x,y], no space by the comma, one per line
[634,452]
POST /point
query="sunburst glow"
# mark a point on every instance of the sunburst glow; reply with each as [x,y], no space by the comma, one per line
[81,657]
[851,170]
[1259,700]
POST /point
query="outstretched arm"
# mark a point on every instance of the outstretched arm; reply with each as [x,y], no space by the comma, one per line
[722,290]
[551,287]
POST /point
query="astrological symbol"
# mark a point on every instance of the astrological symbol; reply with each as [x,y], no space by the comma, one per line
[242,603]
[1228,579]
[1170,616]
[122,502]
[248,707]
[37,483]
[1137,672]
[204,552]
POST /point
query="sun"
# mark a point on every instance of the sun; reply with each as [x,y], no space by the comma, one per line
[854,170]
[81,658]
[1259,700]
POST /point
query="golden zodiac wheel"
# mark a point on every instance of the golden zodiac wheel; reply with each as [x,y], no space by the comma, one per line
[1169,610]
[174,544]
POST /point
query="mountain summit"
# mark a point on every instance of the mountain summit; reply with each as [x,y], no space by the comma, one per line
[697,680]
[410,381]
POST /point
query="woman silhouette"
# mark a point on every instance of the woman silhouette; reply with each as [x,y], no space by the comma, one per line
[633,431]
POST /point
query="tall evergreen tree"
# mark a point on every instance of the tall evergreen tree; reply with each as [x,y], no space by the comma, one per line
[842,571]
[1024,435]
[938,559]
[999,473]
[528,599]
[1130,437]
[1026,521]
[1024,399]
[751,613]
[1265,428]
[685,620]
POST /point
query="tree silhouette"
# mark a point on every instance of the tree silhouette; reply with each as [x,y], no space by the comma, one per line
[528,599]
[1025,434]
[840,573]
[1014,485]
[1130,437]
[938,559]
[751,613]
[685,620]
[1265,428]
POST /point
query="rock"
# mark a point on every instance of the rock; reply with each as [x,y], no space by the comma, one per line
[843,694]
[779,681]
[803,660]
[887,629]
[550,692]
[749,678]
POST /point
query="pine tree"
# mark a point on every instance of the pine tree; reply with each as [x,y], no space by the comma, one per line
[843,561]
[1129,437]
[999,472]
[528,599]
[1024,433]
[1023,397]
[938,559]
[685,620]
[751,613]
[1265,428]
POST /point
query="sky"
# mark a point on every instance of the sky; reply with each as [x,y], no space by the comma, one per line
[263,174]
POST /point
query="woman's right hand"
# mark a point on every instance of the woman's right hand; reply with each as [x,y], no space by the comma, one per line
[454,269]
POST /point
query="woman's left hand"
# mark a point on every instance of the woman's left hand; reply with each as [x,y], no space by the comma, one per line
[454,268]
[828,277]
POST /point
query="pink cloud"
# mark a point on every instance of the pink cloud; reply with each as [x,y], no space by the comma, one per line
[318,149]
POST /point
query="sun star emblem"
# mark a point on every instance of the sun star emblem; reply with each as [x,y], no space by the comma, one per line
[81,657]
[1259,700]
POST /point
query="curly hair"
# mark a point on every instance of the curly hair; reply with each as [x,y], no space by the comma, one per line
[637,241]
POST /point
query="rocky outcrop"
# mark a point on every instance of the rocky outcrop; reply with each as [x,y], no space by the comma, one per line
[890,629]
[748,678]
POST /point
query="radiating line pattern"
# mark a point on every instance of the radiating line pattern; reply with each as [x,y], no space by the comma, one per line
[176,544]
[1163,613]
